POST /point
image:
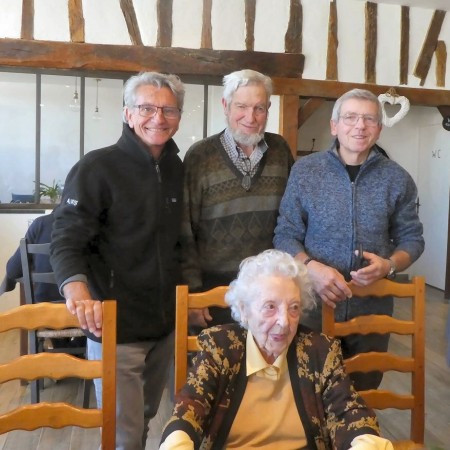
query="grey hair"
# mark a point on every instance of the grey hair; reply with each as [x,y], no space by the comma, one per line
[268,263]
[359,94]
[233,81]
[159,80]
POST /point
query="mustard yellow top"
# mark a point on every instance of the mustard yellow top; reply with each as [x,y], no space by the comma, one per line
[267,415]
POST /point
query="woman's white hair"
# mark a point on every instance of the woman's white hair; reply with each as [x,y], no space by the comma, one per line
[268,263]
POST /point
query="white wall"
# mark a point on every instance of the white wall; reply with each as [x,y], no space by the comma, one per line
[105,24]
[228,32]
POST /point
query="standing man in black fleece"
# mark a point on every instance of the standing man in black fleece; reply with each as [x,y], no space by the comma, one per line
[115,235]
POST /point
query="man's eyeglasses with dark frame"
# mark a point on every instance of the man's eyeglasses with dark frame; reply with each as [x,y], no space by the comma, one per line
[169,112]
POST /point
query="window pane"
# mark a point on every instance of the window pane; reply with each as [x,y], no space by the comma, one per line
[216,116]
[60,127]
[17,130]
[191,125]
[104,127]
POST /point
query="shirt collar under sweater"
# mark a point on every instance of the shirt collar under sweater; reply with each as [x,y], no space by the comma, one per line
[256,364]
[238,157]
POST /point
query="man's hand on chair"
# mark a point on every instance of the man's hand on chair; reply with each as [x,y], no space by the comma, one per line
[199,317]
[79,301]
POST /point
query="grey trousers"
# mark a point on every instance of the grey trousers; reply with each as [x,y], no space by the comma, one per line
[142,373]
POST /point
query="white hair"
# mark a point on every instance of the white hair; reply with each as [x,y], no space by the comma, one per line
[233,81]
[159,80]
[268,263]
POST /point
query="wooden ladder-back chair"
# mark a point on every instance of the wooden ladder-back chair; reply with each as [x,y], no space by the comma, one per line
[183,342]
[414,363]
[37,339]
[59,366]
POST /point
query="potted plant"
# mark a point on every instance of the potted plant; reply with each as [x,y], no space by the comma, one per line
[52,192]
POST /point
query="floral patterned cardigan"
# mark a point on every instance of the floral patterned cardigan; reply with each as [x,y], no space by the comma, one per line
[331,411]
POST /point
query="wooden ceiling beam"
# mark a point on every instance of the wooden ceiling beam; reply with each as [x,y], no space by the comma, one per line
[206,41]
[331,90]
[371,42]
[76,21]
[441,63]
[332,58]
[429,46]
[27,30]
[164,15]
[250,13]
[288,125]
[131,20]
[308,109]
[404,45]
[293,36]
[132,59]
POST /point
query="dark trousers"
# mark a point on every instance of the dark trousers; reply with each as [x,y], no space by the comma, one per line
[351,345]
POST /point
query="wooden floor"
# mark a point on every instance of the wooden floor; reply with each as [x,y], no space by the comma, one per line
[394,424]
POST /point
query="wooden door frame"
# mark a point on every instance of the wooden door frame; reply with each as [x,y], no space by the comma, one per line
[447,270]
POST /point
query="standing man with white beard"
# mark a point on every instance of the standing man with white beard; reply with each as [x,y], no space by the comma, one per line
[234,182]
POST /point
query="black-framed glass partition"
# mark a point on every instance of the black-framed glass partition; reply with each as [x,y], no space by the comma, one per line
[18,131]
[48,121]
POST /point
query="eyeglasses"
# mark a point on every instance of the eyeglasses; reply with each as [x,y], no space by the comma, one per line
[352,119]
[246,165]
[258,110]
[169,112]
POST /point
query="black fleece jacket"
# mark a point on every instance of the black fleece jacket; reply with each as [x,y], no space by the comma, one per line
[118,225]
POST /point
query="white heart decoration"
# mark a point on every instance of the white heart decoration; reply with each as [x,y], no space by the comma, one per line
[393,100]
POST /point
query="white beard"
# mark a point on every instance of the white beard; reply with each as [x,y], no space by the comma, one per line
[247,140]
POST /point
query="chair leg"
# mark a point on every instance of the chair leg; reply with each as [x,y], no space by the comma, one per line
[34,387]
[33,345]
[87,384]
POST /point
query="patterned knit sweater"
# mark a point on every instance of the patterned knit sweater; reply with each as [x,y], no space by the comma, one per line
[222,222]
[331,411]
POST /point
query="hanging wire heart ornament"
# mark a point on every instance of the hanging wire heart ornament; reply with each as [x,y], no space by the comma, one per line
[393,100]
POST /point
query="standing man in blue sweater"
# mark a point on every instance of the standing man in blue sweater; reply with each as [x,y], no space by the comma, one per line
[347,198]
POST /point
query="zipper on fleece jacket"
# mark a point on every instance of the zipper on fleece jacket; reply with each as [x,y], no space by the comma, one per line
[158,247]
[354,183]
[158,172]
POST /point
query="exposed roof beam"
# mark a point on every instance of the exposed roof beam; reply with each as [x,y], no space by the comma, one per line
[331,90]
[132,58]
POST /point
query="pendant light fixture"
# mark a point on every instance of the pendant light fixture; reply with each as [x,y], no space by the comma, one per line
[74,104]
[96,114]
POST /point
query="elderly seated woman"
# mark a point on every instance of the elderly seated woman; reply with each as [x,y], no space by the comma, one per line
[268,382]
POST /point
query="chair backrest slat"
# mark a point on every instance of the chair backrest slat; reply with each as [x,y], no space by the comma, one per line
[39,315]
[59,415]
[183,342]
[61,365]
[29,253]
[413,363]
